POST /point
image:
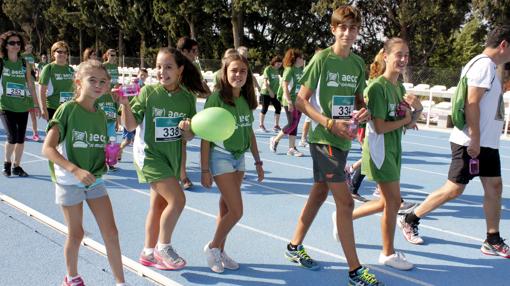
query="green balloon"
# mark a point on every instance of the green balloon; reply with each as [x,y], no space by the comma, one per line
[213,124]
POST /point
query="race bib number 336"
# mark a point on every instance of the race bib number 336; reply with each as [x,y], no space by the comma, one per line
[342,106]
[167,129]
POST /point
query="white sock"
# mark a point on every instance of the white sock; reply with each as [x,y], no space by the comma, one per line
[160,246]
[148,251]
[120,284]
[70,278]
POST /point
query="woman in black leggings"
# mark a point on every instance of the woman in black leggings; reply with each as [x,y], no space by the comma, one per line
[268,93]
[15,102]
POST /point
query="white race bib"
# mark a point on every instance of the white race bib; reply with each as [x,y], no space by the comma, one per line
[342,106]
[15,89]
[167,129]
[65,96]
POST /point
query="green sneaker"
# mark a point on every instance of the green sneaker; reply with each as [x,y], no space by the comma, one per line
[300,257]
[364,278]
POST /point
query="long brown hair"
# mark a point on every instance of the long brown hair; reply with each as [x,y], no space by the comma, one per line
[377,67]
[190,77]
[247,91]
[290,57]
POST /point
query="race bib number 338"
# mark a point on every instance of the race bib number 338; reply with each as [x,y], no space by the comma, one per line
[167,129]
[342,106]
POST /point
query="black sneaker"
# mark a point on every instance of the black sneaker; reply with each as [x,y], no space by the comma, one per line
[18,171]
[112,169]
[7,169]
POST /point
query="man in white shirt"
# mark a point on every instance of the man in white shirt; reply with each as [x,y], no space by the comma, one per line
[484,111]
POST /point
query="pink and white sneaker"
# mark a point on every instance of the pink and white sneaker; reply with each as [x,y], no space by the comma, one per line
[168,259]
[147,260]
[76,281]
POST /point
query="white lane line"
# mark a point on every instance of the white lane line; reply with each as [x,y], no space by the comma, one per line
[281,238]
[88,242]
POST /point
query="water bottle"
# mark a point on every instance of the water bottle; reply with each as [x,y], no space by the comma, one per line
[353,124]
[111,152]
[474,166]
[132,89]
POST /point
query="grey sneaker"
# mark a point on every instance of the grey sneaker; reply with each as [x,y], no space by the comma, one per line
[294,152]
[273,144]
[213,256]
[168,259]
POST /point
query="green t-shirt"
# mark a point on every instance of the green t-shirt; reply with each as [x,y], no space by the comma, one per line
[41,65]
[158,113]
[292,75]
[383,99]
[335,82]
[216,77]
[59,80]
[272,75]
[109,106]
[82,141]
[113,71]
[240,141]
[14,94]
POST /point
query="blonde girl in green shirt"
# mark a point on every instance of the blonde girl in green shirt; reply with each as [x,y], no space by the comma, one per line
[224,161]
[382,150]
[75,148]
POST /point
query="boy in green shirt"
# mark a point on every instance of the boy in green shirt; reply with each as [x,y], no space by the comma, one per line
[331,89]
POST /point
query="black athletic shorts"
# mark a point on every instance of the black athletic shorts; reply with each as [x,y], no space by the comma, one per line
[490,164]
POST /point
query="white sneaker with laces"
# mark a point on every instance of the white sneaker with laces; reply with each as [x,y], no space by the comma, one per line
[294,152]
[213,256]
[228,262]
[396,260]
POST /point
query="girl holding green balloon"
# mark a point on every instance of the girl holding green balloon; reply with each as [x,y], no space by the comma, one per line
[224,160]
[159,114]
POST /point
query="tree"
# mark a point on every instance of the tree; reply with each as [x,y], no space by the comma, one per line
[494,11]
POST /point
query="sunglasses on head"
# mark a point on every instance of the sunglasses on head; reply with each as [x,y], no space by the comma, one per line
[12,43]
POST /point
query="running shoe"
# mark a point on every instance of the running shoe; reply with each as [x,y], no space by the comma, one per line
[112,169]
[406,207]
[409,230]
[213,256]
[7,169]
[498,249]
[76,281]
[294,152]
[396,260]
[18,171]
[262,128]
[148,260]
[228,263]
[300,257]
[273,144]
[36,137]
[359,198]
[303,143]
[168,259]
[186,183]
[364,278]
[277,128]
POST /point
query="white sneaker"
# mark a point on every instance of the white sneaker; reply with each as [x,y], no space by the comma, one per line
[377,192]
[213,256]
[335,229]
[294,152]
[397,260]
[273,144]
[228,262]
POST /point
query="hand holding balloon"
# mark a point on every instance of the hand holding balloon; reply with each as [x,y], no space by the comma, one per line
[213,124]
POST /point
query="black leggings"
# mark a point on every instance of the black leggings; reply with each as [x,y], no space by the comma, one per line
[15,124]
[266,100]
[51,111]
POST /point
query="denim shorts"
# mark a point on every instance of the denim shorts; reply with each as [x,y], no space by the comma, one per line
[70,195]
[127,134]
[222,162]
